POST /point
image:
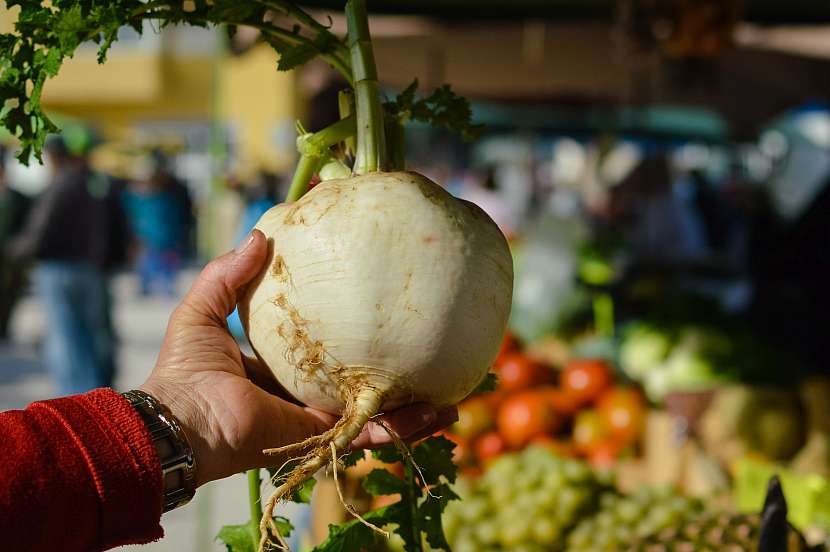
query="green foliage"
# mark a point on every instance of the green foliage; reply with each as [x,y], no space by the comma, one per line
[301,495]
[488,384]
[443,108]
[243,537]
[424,492]
[46,35]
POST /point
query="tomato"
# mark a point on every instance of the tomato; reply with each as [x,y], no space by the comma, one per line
[493,399]
[589,431]
[563,449]
[472,472]
[562,402]
[604,455]
[523,416]
[586,379]
[517,371]
[475,417]
[623,410]
[489,446]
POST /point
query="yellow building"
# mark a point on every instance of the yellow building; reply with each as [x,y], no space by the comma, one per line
[168,85]
[168,88]
[165,86]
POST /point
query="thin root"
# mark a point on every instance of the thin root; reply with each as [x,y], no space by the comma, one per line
[282,544]
[302,445]
[349,508]
[358,411]
[404,450]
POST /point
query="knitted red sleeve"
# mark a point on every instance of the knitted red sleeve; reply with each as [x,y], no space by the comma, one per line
[78,473]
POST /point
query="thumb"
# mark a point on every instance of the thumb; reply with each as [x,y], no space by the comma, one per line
[215,292]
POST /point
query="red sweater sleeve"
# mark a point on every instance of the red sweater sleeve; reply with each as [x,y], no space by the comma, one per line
[78,473]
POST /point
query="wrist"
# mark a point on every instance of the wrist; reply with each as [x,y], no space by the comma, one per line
[173,447]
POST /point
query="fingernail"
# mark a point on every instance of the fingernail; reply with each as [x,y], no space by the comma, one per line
[428,417]
[244,244]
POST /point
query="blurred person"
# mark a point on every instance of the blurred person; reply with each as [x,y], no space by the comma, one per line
[75,233]
[160,212]
[85,472]
[658,213]
[14,207]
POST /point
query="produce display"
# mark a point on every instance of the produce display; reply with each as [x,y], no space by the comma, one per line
[686,359]
[523,502]
[578,411]
[622,520]
[537,501]
[713,533]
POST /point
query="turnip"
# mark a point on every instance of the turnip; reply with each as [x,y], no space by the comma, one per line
[380,289]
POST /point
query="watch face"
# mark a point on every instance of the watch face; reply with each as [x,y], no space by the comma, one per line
[174,451]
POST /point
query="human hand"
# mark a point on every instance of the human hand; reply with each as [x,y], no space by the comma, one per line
[208,384]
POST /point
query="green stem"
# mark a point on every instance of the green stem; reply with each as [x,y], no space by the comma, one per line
[345,104]
[411,485]
[282,34]
[314,151]
[371,140]
[292,10]
[276,33]
[255,501]
[307,167]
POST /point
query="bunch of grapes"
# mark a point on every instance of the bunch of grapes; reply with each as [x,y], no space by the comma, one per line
[623,519]
[524,502]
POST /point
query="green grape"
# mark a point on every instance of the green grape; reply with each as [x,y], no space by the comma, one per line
[513,534]
[487,532]
[607,501]
[502,494]
[474,508]
[553,480]
[545,531]
[628,511]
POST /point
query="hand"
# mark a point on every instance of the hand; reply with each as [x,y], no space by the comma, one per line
[208,385]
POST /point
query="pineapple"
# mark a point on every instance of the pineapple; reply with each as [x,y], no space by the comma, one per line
[716,533]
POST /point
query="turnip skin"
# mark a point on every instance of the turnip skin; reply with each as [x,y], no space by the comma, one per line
[383,281]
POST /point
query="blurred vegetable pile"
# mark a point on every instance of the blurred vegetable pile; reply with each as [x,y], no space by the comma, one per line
[578,411]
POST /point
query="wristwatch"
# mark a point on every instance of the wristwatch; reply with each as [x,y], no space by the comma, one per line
[176,455]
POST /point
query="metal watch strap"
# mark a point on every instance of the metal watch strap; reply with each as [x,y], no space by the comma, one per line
[175,453]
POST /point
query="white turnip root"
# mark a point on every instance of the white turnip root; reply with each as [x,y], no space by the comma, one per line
[380,290]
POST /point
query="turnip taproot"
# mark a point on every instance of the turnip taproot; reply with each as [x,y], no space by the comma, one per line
[380,289]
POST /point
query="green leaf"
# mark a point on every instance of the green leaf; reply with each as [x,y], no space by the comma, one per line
[434,458]
[488,384]
[242,537]
[237,538]
[443,108]
[303,494]
[295,56]
[388,454]
[353,458]
[353,535]
[383,482]
[429,514]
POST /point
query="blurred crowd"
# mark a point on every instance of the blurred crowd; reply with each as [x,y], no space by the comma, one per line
[67,242]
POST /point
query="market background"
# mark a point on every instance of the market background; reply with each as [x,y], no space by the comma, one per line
[700,276]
